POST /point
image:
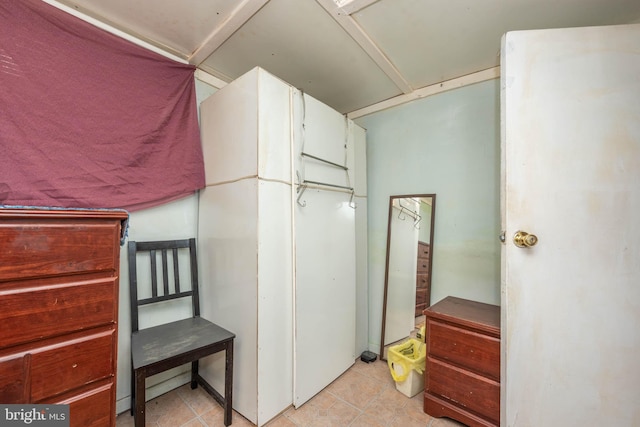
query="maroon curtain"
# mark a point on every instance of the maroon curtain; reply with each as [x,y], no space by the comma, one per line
[88,119]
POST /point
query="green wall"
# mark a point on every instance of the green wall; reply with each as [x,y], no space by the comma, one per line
[447,144]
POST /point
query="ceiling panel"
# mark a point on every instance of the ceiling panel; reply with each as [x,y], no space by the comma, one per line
[312,44]
[179,27]
[299,42]
[433,40]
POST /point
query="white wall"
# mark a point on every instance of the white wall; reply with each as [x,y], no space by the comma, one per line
[175,220]
[447,144]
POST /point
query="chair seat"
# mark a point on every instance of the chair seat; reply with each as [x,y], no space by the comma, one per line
[159,344]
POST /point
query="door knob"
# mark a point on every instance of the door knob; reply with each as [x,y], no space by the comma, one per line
[523,239]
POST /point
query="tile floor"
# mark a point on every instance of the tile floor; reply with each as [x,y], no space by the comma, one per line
[364,396]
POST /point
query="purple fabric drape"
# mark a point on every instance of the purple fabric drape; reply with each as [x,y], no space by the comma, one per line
[88,119]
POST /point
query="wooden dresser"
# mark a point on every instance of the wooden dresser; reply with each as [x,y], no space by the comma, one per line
[59,274]
[462,377]
[423,279]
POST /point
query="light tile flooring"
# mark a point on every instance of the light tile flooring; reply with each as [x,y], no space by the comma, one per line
[364,396]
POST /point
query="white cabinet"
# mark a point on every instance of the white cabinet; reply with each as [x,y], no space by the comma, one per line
[278,264]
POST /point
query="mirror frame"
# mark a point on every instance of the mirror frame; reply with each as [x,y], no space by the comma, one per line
[386,267]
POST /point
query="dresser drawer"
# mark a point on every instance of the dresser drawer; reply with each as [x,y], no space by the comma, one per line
[14,378]
[31,314]
[71,364]
[423,265]
[47,247]
[91,408]
[472,392]
[421,295]
[423,251]
[422,281]
[474,351]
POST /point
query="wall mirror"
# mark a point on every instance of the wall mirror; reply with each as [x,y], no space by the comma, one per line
[407,280]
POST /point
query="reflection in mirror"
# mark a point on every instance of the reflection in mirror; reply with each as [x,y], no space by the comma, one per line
[407,284]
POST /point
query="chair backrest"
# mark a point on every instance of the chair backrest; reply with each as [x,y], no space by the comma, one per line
[162,287]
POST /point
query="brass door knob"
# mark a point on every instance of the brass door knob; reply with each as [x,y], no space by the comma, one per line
[523,239]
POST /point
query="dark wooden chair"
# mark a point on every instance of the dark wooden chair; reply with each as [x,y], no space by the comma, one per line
[159,348]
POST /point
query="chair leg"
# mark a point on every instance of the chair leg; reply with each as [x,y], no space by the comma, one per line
[133,392]
[194,375]
[139,417]
[228,384]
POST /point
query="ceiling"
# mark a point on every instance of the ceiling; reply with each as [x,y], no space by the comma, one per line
[349,54]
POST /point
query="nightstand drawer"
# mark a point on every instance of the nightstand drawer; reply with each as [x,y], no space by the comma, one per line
[474,351]
[473,392]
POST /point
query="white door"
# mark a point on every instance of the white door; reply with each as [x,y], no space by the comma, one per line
[571,175]
[325,255]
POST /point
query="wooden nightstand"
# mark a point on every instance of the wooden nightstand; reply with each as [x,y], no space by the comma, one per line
[462,377]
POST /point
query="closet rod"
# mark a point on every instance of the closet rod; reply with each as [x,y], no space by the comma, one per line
[303,186]
[325,161]
[327,185]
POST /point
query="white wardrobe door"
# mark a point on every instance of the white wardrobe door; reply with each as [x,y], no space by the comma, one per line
[275,300]
[228,269]
[325,291]
[229,129]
